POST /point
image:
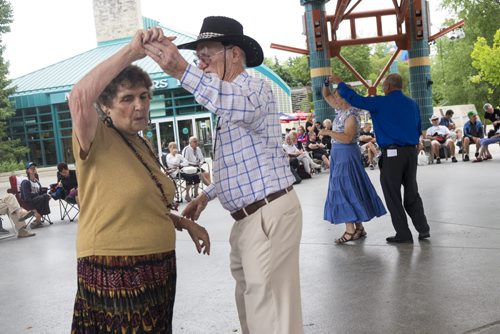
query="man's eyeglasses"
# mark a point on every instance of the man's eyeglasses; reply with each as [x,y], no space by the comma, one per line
[207,59]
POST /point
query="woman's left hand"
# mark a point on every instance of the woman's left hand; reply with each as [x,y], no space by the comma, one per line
[199,235]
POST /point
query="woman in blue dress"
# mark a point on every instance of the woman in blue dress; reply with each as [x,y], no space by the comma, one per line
[351,198]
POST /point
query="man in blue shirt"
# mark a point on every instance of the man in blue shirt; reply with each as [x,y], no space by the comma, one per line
[473,132]
[447,120]
[396,121]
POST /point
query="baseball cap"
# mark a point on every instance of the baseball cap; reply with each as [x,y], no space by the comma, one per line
[434,117]
[471,113]
[30,164]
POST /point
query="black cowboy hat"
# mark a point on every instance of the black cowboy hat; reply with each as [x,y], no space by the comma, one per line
[228,31]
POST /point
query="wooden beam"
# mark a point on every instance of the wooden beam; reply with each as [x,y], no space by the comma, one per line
[289,49]
[403,10]
[443,32]
[369,40]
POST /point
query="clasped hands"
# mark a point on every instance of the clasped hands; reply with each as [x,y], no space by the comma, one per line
[153,43]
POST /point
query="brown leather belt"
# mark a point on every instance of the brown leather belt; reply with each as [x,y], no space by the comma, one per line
[252,208]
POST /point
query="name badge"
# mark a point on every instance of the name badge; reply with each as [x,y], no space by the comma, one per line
[392,153]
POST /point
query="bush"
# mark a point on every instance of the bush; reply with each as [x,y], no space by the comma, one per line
[11,166]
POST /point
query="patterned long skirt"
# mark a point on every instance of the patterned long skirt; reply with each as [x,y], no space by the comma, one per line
[125,294]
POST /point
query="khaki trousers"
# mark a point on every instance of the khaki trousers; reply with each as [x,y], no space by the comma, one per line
[265,265]
[9,205]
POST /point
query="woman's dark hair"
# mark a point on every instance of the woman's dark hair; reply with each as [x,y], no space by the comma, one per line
[132,76]
[61,166]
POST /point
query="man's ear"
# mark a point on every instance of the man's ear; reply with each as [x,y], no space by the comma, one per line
[237,54]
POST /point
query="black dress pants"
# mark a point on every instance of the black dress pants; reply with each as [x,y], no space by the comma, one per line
[397,170]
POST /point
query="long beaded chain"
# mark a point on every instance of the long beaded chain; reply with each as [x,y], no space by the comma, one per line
[109,122]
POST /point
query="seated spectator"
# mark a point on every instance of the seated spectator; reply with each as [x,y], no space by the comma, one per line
[9,206]
[317,127]
[440,137]
[473,132]
[326,139]
[300,147]
[484,153]
[492,115]
[195,157]
[317,149]
[293,152]
[301,135]
[447,121]
[309,123]
[174,162]
[34,195]
[67,184]
[368,145]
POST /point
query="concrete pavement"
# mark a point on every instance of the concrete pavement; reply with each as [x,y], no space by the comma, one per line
[447,284]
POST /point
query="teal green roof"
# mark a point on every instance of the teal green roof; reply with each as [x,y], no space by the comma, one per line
[61,76]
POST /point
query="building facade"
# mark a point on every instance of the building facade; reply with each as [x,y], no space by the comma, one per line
[42,119]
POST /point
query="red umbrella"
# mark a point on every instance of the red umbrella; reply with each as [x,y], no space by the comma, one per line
[301,115]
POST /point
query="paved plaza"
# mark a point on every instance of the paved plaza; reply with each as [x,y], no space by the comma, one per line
[447,284]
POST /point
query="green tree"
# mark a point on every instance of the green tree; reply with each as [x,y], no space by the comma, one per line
[379,58]
[280,70]
[486,60]
[299,69]
[359,57]
[10,150]
[452,66]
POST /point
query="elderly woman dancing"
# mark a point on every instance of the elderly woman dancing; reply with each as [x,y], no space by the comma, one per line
[351,198]
[126,262]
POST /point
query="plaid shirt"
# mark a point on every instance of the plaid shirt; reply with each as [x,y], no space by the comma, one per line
[249,162]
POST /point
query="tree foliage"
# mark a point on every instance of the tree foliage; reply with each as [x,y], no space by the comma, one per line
[486,60]
[10,150]
[452,68]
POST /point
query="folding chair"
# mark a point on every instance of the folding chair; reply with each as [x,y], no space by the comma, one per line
[179,183]
[14,190]
[67,206]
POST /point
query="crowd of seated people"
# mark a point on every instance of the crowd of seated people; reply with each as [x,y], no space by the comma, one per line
[493,136]
[444,137]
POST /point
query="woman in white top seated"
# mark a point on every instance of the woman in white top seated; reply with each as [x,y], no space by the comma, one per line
[175,161]
[187,172]
[193,154]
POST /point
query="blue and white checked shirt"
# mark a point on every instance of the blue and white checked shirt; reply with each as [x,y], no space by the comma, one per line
[249,162]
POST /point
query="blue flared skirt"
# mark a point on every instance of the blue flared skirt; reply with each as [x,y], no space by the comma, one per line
[351,196]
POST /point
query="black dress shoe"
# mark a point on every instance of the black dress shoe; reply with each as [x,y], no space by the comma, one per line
[423,236]
[396,239]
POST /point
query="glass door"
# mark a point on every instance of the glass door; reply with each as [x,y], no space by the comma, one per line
[204,134]
[185,128]
[166,135]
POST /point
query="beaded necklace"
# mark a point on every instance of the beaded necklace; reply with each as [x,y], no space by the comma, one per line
[109,123]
